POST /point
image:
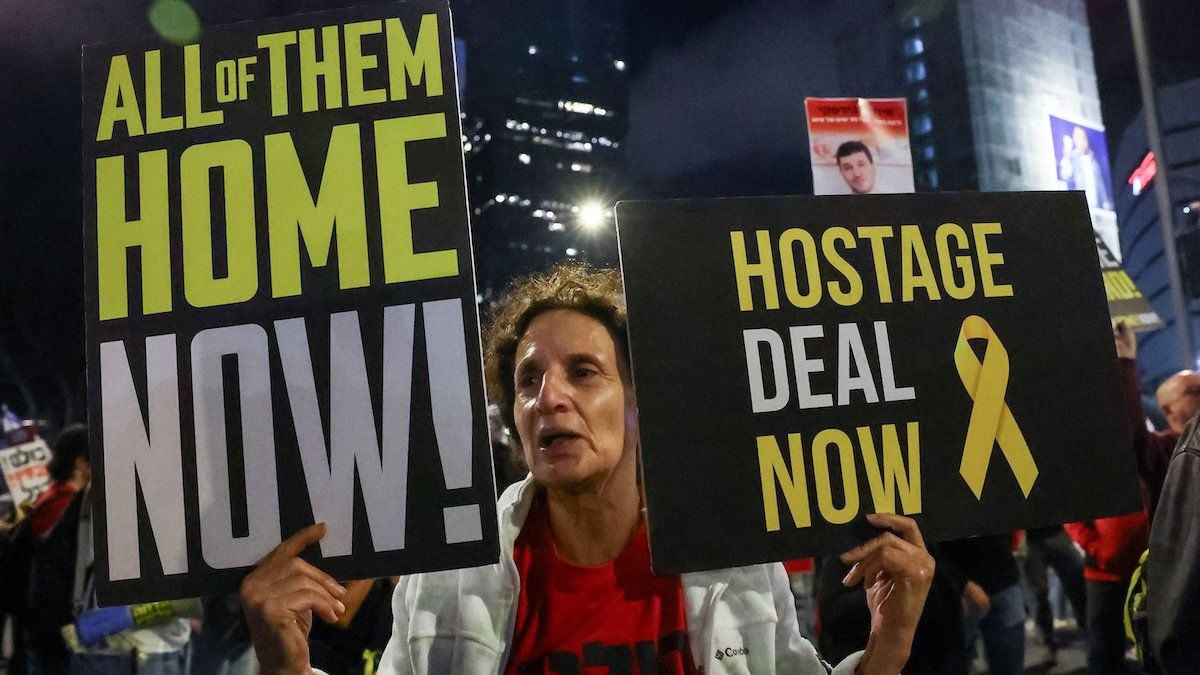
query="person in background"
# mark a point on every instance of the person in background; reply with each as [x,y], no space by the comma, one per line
[1112,547]
[223,646]
[361,632]
[1168,464]
[1178,398]
[1087,173]
[59,592]
[993,600]
[1172,569]
[47,545]
[1050,548]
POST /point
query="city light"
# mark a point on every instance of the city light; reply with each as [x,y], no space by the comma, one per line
[571,253]
[533,50]
[523,158]
[591,215]
[619,64]
[175,21]
[1143,174]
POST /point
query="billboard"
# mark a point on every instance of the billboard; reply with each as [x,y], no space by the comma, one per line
[1081,163]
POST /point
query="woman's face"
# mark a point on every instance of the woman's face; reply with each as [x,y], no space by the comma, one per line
[574,407]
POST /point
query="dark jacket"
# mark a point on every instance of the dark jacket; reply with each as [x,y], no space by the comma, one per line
[1151,448]
[845,620]
[1173,567]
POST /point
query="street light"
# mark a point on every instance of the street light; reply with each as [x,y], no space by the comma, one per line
[591,215]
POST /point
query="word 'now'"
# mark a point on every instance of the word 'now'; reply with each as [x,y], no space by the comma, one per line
[149,452]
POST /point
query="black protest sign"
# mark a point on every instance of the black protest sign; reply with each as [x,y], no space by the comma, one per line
[801,362]
[281,306]
[1126,304]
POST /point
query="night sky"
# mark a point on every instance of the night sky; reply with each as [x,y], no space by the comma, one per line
[714,81]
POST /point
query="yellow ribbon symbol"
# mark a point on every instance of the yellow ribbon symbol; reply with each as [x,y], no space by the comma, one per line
[991,422]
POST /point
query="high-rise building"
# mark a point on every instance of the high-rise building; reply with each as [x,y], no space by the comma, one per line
[1175,67]
[544,121]
[984,78]
[1136,178]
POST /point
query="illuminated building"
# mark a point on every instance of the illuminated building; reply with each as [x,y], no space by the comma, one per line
[1135,175]
[543,131]
[982,78]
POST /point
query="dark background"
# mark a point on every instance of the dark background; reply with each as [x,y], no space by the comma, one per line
[695,67]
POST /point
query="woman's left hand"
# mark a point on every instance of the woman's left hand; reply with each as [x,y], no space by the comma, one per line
[896,571]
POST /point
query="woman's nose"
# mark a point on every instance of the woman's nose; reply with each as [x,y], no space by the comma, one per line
[554,393]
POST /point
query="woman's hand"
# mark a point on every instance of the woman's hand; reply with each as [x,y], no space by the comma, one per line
[280,597]
[976,603]
[1126,341]
[896,571]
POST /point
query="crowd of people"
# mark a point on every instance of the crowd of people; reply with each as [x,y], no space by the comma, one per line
[574,588]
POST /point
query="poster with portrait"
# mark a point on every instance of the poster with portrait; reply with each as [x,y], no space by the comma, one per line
[859,145]
[1081,163]
[280,310]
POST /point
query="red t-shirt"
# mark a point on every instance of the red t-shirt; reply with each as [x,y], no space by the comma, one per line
[612,619]
[50,507]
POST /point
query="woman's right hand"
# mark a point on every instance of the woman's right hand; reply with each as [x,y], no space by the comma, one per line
[280,597]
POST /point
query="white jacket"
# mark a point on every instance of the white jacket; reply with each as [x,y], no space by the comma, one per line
[740,620]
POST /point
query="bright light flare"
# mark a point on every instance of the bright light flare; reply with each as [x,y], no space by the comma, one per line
[591,215]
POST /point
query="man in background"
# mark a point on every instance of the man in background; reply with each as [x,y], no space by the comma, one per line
[857,166]
[1112,546]
[1178,397]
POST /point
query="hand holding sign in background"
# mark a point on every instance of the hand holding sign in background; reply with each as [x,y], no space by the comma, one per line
[802,362]
[24,468]
[281,316]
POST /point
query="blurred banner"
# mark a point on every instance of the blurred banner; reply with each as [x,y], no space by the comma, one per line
[1125,302]
[281,313]
[859,145]
[816,359]
[25,472]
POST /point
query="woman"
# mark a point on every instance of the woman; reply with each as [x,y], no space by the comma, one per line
[573,587]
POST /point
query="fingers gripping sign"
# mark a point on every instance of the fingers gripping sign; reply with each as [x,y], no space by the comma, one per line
[280,597]
[896,570]
[1126,341]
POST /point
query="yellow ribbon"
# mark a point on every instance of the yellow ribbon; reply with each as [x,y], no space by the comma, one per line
[991,422]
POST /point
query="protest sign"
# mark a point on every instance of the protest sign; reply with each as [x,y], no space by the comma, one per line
[24,468]
[281,306]
[859,145]
[803,361]
[1126,304]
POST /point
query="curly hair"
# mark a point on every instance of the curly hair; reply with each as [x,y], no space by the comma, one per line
[595,293]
